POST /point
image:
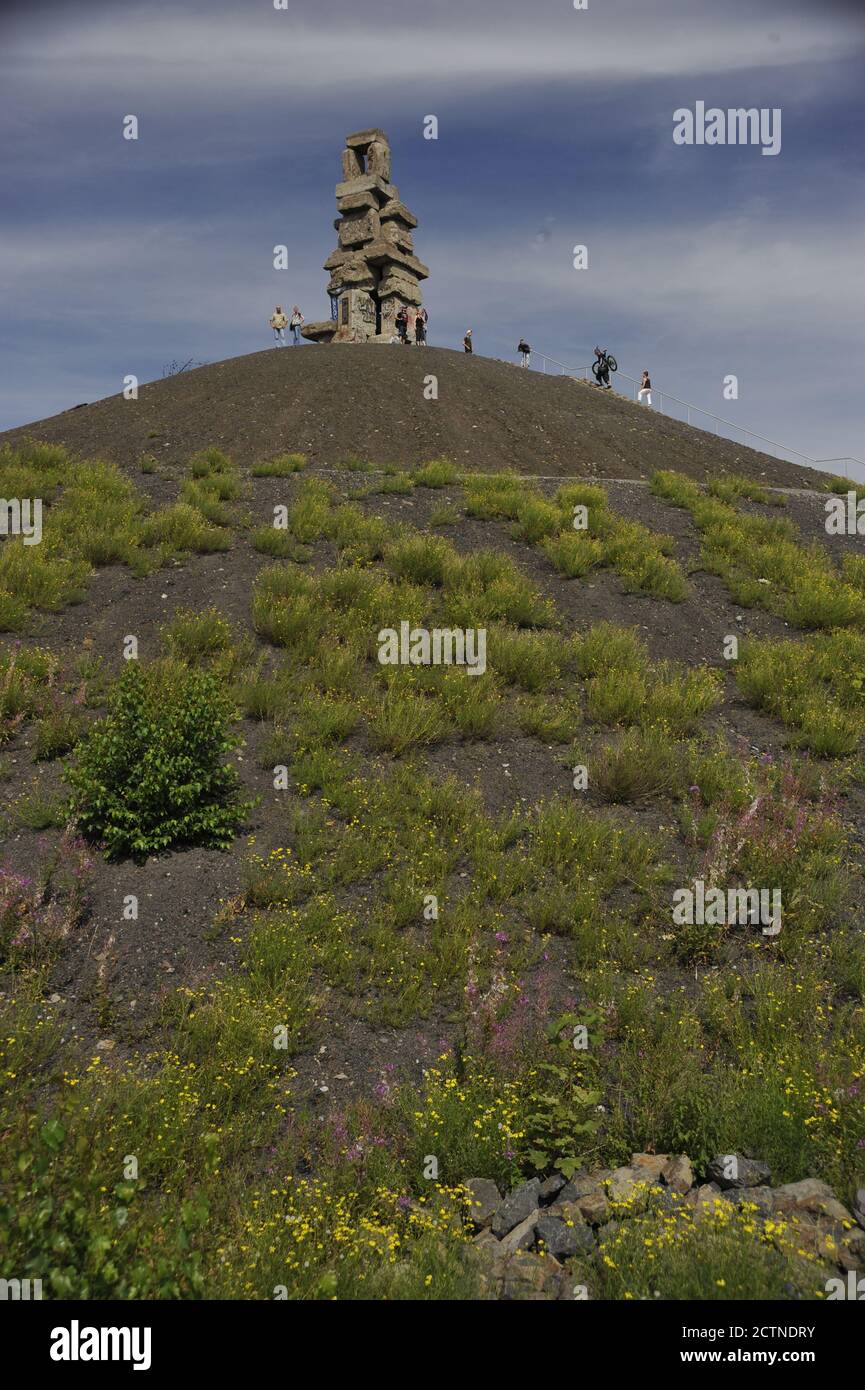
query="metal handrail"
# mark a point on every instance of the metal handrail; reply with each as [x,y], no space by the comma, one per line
[689,407]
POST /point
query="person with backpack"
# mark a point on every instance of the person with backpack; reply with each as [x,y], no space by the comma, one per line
[645,387]
[525,352]
[467,341]
[277,323]
[401,324]
[420,327]
[294,324]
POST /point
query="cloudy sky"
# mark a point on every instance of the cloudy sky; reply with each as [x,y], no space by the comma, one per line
[555,128]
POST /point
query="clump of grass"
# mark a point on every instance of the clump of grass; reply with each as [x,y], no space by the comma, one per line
[644,762]
[195,636]
[36,916]
[606,647]
[282,466]
[444,515]
[487,586]
[279,543]
[354,464]
[532,661]
[422,559]
[26,675]
[815,687]
[405,719]
[730,486]
[536,521]
[625,687]
[550,719]
[675,488]
[309,516]
[574,553]
[493,495]
[58,730]
[438,473]
[181,529]
[13,613]
[762,562]
[361,539]
[578,532]
[396,483]
[214,481]
[211,463]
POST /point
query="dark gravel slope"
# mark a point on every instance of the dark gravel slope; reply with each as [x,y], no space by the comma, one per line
[334,402]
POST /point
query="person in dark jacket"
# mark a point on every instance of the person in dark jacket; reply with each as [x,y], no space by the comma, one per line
[602,368]
[467,341]
[525,352]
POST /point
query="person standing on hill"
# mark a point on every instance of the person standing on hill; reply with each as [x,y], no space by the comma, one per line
[401,324]
[467,341]
[645,387]
[420,327]
[295,323]
[277,323]
[525,352]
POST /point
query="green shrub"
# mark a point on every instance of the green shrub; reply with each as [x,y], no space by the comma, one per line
[561,1119]
[150,774]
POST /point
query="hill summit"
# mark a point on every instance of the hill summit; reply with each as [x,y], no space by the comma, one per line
[379,403]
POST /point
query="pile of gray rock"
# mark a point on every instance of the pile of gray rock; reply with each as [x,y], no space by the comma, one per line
[525,1236]
[373,271]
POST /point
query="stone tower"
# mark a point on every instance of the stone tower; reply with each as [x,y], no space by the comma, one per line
[373,271]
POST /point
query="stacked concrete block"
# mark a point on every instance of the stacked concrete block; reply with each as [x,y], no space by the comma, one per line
[373,271]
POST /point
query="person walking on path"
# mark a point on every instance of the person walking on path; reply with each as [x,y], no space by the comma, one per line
[420,327]
[295,323]
[277,323]
[525,352]
[645,388]
[467,341]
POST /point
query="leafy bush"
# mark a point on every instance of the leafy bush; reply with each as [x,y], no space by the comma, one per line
[562,1114]
[150,773]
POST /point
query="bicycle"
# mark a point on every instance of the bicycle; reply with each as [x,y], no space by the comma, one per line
[608,361]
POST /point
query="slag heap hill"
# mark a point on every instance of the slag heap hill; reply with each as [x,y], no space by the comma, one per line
[373,271]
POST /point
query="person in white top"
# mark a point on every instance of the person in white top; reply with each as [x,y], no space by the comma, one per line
[294,324]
